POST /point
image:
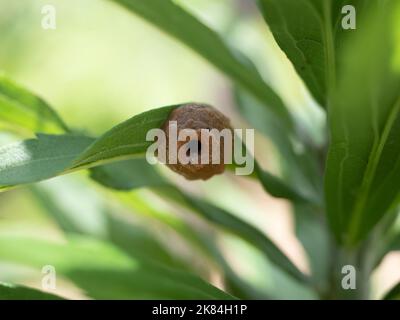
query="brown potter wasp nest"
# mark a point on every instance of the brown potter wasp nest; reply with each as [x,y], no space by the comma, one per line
[197,116]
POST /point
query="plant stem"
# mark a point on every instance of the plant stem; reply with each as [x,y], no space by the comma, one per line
[359,259]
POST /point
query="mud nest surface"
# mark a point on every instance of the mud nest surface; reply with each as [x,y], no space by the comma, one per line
[197,116]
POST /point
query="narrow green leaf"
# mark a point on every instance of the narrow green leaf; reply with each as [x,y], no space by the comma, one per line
[39,159]
[312,232]
[299,168]
[51,155]
[384,238]
[236,226]
[15,292]
[48,155]
[105,272]
[20,108]
[175,21]
[128,175]
[276,187]
[203,243]
[125,140]
[43,158]
[395,243]
[363,166]
[222,218]
[393,294]
[89,215]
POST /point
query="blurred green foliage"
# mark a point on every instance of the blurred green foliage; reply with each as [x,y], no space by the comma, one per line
[142,232]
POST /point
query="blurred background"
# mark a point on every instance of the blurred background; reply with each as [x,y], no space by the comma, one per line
[103,65]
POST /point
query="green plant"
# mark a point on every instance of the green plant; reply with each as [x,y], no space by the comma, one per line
[343,191]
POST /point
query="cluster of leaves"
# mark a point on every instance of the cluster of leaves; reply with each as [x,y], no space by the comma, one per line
[355,77]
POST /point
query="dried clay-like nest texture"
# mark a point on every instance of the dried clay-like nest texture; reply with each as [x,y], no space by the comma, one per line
[197,116]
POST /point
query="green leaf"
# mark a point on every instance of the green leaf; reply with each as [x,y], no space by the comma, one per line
[178,23]
[394,243]
[20,108]
[236,226]
[128,175]
[363,166]
[313,234]
[105,272]
[223,218]
[384,238]
[51,155]
[276,187]
[78,209]
[39,159]
[299,168]
[125,140]
[308,31]
[14,292]
[35,160]
[393,294]
[203,243]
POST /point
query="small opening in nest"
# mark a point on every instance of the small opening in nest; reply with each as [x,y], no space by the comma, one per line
[194,148]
